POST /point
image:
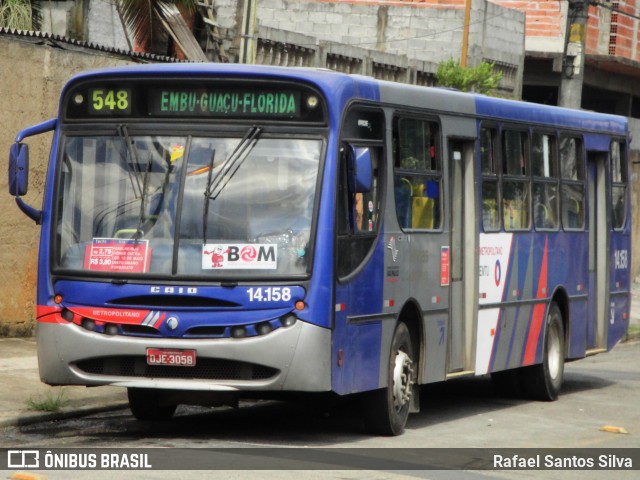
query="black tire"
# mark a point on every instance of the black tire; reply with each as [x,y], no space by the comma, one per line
[146,404]
[386,410]
[544,381]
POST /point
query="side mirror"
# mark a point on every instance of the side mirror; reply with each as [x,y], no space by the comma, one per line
[360,169]
[18,169]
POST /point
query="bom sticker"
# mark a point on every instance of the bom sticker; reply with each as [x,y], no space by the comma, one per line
[254,256]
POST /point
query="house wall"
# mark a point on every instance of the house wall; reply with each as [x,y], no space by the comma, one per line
[33,76]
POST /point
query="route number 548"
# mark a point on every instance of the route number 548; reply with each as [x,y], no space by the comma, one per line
[110,100]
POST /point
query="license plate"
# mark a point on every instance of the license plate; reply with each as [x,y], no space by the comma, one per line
[176,358]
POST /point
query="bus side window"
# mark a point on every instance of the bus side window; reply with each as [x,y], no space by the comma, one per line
[572,189]
[417,174]
[619,184]
[358,210]
[544,164]
[490,190]
[515,180]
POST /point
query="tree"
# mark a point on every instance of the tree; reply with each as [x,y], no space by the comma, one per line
[480,79]
[19,14]
[142,18]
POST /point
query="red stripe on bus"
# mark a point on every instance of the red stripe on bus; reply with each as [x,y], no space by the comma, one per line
[538,312]
[123,316]
[47,314]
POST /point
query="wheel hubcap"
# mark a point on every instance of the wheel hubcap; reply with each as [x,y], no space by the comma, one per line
[554,353]
[402,380]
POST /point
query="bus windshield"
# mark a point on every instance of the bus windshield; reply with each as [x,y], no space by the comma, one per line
[186,206]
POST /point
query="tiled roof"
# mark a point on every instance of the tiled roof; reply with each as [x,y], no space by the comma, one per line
[67,43]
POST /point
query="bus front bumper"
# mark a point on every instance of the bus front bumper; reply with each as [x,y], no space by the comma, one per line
[296,358]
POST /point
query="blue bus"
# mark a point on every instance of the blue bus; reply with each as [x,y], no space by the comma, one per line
[211,232]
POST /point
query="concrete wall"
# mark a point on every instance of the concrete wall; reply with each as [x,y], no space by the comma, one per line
[104,25]
[32,78]
[634,128]
[420,32]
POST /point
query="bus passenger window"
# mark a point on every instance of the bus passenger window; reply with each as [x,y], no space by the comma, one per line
[544,164]
[357,216]
[515,205]
[515,180]
[514,153]
[490,190]
[490,216]
[417,174]
[619,184]
[572,189]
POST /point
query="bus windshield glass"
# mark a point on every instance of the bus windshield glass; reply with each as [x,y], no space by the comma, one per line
[186,206]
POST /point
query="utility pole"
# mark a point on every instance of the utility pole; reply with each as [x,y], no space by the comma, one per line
[247,51]
[572,75]
[465,34]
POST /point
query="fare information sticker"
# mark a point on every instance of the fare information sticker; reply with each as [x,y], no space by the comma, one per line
[118,255]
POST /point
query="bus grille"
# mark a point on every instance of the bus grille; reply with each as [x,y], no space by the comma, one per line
[206,369]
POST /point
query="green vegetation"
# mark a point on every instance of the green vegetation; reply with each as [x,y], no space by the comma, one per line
[19,14]
[633,332]
[51,401]
[480,79]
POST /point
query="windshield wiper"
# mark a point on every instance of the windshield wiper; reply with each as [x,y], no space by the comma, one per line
[232,163]
[139,233]
[123,132]
[216,184]
[142,183]
[205,213]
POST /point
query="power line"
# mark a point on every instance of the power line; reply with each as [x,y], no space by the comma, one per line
[613,9]
[428,35]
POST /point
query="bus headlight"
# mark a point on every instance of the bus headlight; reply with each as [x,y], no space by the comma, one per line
[264,328]
[89,324]
[289,320]
[67,314]
[111,329]
[238,332]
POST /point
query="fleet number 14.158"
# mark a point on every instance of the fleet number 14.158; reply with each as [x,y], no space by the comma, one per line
[269,294]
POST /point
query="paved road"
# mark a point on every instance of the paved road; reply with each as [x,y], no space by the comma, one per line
[599,391]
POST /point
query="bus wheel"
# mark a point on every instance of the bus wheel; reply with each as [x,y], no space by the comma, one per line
[543,381]
[386,410]
[146,404]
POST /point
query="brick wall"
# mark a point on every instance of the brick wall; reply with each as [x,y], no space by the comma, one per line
[614,33]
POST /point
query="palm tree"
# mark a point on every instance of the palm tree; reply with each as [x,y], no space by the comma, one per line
[141,16]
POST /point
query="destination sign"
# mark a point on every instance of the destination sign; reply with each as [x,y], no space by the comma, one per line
[195,99]
[244,103]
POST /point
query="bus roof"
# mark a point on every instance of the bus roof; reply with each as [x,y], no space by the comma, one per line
[345,87]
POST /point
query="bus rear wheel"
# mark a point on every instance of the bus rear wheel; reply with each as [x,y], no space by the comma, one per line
[386,410]
[147,404]
[544,381]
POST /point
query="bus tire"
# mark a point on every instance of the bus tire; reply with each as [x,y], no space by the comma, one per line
[386,410]
[146,404]
[544,381]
